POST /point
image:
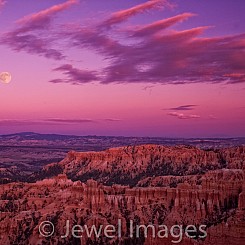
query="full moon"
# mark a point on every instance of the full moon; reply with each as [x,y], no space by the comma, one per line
[5,77]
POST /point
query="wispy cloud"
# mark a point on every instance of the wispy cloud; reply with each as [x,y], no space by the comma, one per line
[123,15]
[160,25]
[79,121]
[30,34]
[236,77]
[32,44]
[72,121]
[154,55]
[15,122]
[148,87]
[45,121]
[112,120]
[183,116]
[75,76]
[37,20]
[182,108]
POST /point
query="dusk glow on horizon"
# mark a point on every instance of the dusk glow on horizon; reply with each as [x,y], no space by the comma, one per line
[123,68]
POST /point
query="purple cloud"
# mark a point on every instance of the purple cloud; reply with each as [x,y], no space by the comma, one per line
[145,54]
[156,56]
[28,35]
[31,44]
[72,121]
[112,120]
[94,39]
[48,121]
[75,76]
[15,122]
[183,108]
[183,116]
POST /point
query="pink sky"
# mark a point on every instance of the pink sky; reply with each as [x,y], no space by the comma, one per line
[149,68]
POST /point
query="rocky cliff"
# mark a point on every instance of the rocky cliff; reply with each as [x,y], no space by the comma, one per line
[196,188]
[130,165]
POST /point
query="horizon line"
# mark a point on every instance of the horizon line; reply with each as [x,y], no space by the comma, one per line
[114,136]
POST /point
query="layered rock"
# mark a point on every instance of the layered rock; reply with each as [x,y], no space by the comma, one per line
[214,197]
[59,199]
[129,165]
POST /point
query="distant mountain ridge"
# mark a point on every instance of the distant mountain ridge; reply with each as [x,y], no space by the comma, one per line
[131,140]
